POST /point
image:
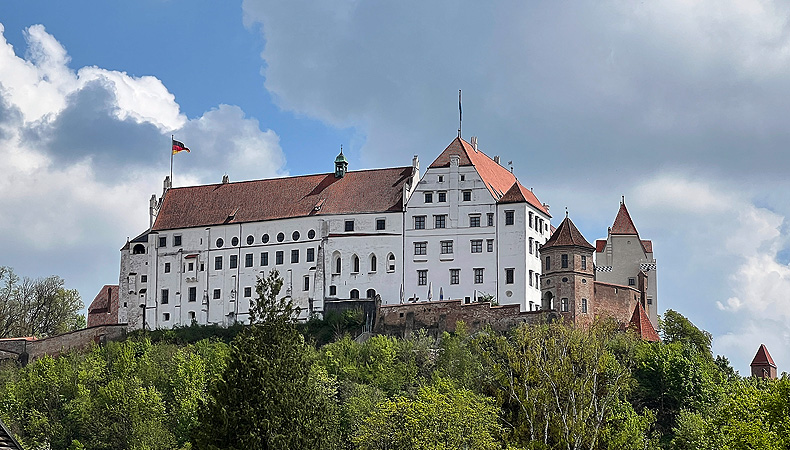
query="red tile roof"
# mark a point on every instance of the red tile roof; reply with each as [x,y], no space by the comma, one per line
[763,357]
[362,191]
[567,235]
[641,323]
[502,184]
[103,309]
[600,245]
[647,245]
[623,223]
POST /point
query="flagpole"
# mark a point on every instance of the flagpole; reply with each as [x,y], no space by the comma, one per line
[172,138]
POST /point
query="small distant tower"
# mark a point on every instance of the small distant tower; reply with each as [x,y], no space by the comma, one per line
[567,282]
[341,164]
[763,365]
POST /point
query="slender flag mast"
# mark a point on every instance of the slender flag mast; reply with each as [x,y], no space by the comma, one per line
[172,139]
[460,113]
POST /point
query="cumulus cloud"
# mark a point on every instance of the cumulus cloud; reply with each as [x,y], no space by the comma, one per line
[83,150]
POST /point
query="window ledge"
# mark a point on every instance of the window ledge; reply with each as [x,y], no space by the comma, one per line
[446,257]
[420,258]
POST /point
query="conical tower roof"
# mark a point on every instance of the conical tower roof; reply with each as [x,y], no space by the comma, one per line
[567,235]
[623,223]
[763,357]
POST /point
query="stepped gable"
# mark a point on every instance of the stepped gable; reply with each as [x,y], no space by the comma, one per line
[763,357]
[641,324]
[7,441]
[567,235]
[362,191]
[600,245]
[623,223]
[502,184]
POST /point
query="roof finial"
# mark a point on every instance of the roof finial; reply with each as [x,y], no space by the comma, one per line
[460,114]
[341,149]
[566,212]
[622,202]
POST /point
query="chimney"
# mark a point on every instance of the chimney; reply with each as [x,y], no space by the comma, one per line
[474,142]
[415,163]
[496,159]
[152,210]
[225,179]
[167,184]
[546,207]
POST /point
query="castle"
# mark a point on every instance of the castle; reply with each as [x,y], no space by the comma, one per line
[466,230]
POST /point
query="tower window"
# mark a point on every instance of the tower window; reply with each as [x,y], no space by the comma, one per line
[510,276]
[248,292]
[548,263]
[217,294]
[310,255]
[564,261]
[381,224]
[349,225]
[584,305]
[510,217]
[192,294]
[584,262]
[564,304]
[163,241]
[165,296]
[632,281]
[333,290]
[177,241]
[167,267]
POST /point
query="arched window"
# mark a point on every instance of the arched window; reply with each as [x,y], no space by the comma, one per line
[373,263]
[390,263]
[338,265]
[355,264]
[138,249]
[371,293]
[354,293]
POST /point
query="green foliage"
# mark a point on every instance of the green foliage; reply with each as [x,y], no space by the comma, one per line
[189,334]
[677,328]
[440,416]
[270,396]
[334,326]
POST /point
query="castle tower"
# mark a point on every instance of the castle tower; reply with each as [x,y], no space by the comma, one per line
[341,165]
[567,282]
[763,365]
[623,258]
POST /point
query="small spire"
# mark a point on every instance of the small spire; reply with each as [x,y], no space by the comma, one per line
[566,212]
[622,201]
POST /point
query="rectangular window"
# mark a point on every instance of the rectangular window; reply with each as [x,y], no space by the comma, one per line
[310,255]
[234,261]
[564,261]
[217,263]
[584,305]
[447,247]
[478,276]
[143,278]
[531,282]
[165,317]
[441,178]
[477,245]
[548,263]
[537,281]
[440,221]
[381,224]
[531,218]
[490,219]
[202,267]
[530,245]
[217,294]
[306,283]
[419,222]
[649,301]
[455,276]
[420,248]
[248,260]
[191,315]
[422,277]
[177,241]
[463,177]
[294,256]
[167,267]
[278,257]
[442,197]
[467,196]
[510,217]
[264,258]
[474,221]
[191,266]
[192,294]
[163,241]
[584,262]
[510,275]
[165,296]
[333,290]
[429,197]
[248,292]
[564,304]
[489,245]
[349,226]
[632,281]
[540,226]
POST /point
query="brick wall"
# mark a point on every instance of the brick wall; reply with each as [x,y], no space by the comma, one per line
[615,301]
[55,345]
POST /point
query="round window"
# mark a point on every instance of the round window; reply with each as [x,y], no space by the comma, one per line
[548,281]
[250,240]
[265,238]
[234,242]
[584,281]
[280,237]
[220,243]
[311,234]
[564,279]
[295,236]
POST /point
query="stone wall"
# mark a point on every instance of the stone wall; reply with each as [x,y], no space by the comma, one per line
[615,301]
[29,349]
[436,317]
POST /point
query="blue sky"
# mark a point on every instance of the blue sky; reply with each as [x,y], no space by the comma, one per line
[680,106]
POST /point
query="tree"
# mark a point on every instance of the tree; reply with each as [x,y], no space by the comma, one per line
[40,307]
[270,396]
[675,327]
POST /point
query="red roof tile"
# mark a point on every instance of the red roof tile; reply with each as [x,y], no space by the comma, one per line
[104,308]
[362,191]
[641,323]
[499,181]
[647,245]
[763,357]
[623,223]
[600,245]
[567,235]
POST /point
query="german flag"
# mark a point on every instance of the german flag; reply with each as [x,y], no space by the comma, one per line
[179,146]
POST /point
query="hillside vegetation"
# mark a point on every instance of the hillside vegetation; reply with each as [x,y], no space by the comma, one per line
[271,387]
